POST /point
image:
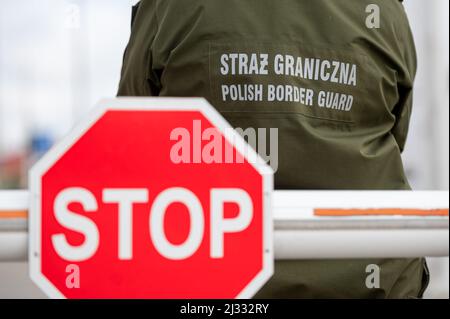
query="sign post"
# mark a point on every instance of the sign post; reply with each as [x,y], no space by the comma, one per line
[151,198]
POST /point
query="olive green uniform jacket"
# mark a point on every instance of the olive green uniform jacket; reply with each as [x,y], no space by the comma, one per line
[335,77]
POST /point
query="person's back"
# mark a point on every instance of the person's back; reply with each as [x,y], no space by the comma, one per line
[337,90]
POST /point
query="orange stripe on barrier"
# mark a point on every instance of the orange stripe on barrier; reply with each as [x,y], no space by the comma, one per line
[381,212]
[317,212]
[19,214]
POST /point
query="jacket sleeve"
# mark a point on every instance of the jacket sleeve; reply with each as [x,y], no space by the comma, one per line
[137,77]
[402,113]
[403,109]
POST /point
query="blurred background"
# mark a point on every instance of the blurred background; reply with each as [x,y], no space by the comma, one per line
[58,58]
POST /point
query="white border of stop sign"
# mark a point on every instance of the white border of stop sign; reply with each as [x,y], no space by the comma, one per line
[148,104]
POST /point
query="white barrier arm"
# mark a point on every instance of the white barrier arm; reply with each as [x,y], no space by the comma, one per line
[13,225]
[300,233]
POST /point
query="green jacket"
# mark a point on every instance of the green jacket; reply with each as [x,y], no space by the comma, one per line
[337,88]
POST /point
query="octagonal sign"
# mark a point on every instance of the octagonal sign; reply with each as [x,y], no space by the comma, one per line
[151,198]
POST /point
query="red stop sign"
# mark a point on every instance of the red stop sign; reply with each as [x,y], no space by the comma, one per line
[151,198]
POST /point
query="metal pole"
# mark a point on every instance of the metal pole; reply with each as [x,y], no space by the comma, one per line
[300,233]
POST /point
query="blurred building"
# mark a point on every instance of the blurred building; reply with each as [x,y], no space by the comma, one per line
[57,58]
